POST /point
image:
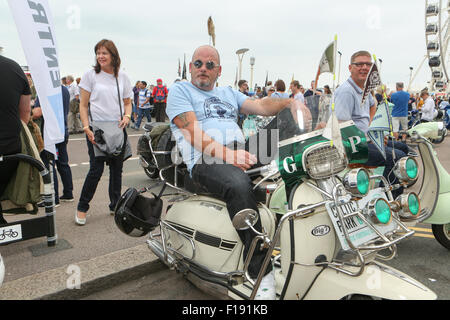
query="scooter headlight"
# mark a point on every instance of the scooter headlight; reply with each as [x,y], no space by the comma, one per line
[406,169]
[379,211]
[410,203]
[356,182]
[322,161]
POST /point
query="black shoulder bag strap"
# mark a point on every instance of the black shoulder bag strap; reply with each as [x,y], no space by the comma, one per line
[125,137]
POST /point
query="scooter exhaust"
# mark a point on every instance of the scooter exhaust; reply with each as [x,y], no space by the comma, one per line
[156,247]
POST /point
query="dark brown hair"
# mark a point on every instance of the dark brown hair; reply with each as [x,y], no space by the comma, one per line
[279,84]
[115,58]
[296,84]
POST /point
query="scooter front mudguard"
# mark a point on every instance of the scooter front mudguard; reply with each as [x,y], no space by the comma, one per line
[378,280]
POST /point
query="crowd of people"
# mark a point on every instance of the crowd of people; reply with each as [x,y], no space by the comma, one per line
[105,94]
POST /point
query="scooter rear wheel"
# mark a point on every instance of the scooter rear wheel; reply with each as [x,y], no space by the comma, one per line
[152,172]
[441,233]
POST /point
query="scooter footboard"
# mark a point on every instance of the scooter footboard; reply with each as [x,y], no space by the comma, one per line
[377,280]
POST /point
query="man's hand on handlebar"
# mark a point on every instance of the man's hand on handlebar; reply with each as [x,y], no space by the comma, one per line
[241,159]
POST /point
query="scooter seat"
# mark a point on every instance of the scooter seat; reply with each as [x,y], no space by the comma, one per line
[193,187]
[149,126]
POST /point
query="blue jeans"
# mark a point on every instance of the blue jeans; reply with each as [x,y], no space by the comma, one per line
[376,159]
[97,166]
[133,111]
[141,113]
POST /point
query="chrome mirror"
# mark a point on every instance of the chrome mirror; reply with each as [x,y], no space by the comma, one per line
[245,219]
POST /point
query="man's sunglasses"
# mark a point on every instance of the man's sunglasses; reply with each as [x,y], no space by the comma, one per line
[209,65]
[360,64]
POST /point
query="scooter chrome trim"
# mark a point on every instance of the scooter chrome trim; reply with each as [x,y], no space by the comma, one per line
[396,274]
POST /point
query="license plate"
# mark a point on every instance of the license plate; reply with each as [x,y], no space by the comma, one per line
[359,232]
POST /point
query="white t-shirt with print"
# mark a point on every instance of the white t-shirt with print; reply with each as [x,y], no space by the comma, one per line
[104,98]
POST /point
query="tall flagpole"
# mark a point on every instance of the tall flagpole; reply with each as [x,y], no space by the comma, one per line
[334,85]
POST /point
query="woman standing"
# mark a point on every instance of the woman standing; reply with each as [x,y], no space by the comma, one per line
[108,91]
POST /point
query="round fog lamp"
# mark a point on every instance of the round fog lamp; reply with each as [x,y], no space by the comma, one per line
[379,211]
[406,169]
[410,203]
[411,168]
[356,182]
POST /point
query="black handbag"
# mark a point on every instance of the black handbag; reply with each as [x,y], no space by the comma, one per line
[110,140]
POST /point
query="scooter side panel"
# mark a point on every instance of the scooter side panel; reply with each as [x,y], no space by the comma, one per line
[217,244]
[377,281]
[441,214]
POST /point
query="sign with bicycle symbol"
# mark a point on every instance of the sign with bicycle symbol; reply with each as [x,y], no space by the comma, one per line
[11,233]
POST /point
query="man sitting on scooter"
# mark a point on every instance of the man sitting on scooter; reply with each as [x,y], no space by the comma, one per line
[348,99]
[204,123]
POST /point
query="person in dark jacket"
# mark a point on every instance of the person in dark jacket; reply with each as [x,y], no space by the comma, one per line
[62,161]
[15,105]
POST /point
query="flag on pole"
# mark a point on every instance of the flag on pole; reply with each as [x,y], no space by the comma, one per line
[236,79]
[267,79]
[332,130]
[34,22]
[212,31]
[179,68]
[327,62]
[184,69]
[372,82]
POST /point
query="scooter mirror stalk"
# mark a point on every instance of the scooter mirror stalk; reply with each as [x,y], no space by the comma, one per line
[245,219]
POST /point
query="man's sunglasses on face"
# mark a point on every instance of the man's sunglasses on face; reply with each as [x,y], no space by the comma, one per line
[360,64]
[209,65]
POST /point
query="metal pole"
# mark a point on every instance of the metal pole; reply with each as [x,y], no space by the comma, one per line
[252,63]
[339,73]
[240,53]
[410,77]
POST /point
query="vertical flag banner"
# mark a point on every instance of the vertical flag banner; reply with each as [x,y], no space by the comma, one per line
[372,82]
[36,30]
[327,64]
[212,31]
[183,76]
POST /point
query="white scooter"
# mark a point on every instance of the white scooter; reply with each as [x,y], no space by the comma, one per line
[325,234]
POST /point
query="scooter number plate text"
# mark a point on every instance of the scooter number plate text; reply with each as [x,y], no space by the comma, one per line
[359,233]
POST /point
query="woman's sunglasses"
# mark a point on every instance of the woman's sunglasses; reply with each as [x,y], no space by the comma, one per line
[209,65]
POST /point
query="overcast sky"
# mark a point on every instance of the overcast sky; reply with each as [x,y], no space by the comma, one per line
[286,37]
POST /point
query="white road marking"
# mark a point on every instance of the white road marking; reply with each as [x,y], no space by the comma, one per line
[87,163]
[84,139]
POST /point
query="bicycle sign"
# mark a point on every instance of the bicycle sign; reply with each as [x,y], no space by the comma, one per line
[10,233]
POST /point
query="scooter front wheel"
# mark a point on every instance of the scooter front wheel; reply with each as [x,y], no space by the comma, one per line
[441,233]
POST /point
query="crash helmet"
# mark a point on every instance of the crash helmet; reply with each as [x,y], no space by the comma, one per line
[137,215]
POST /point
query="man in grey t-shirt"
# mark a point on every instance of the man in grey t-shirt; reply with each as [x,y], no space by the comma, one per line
[348,99]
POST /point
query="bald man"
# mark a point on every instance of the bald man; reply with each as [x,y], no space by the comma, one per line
[204,122]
